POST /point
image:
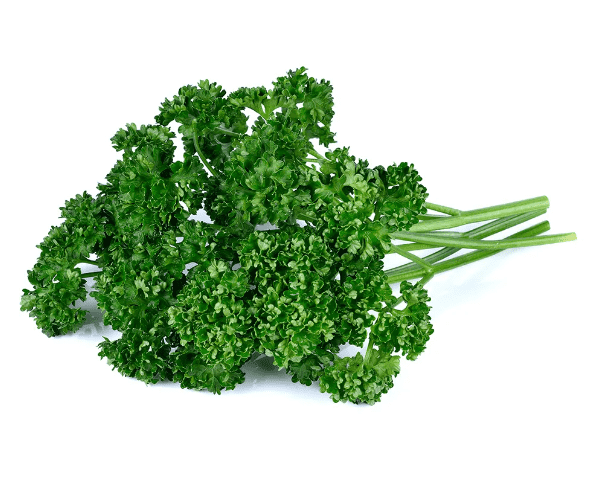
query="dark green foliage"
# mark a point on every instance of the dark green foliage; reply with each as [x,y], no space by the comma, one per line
[213,319]
[299,98]
[310,367]
[357,379]
[263,173]
[144,355]
[56,281]
[350,193]
[294,302]
[360,290]
[195,300]
[208,121]
[405,330]
[193,371]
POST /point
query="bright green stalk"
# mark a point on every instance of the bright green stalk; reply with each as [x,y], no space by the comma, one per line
[224,131]
[443,209]
[201,156]
[317,154]
[466,258]
[369,350]
[445,241]
[415,259]
[430,217]
[484,231]
[477,215]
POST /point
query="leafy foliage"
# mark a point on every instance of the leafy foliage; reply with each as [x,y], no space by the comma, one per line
[357,379]
[56,279]
[213,321]
[195,300]
[294,303]
[405,330]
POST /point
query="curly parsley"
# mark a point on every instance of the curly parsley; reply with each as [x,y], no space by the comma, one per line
[298,292]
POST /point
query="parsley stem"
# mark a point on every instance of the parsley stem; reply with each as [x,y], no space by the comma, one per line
[369,350]
[228,132]
[484,214]
[317,154]
[91,274]
[414,258]
[429,217]
[201,156]
[468,258]
[426,279]
[445,241]
[443,209]
[483,231]
[86,261]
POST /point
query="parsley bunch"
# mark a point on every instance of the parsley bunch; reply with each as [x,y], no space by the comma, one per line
[194,300]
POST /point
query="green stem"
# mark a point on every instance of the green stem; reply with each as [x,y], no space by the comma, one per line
[467,258]
[484,214]
[86,261]
[317,154]
[411,247]
[224,131]
[447,234]
[415,259]
[426,279]
[481,232]
[443,209]
[444,241]
[369,350]
[201,156]
[92,274]
[484,231]
[430,217]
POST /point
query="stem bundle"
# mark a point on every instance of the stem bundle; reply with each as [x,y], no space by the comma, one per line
[425,235]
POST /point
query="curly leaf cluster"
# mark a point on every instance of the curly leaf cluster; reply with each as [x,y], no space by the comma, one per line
[56,279]
[213,320]
[294,304]
[292,266]
[360,380]
[405,330]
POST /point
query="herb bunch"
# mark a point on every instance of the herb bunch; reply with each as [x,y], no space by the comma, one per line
[194,300]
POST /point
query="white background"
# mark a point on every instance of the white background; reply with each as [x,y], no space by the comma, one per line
[493,102]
